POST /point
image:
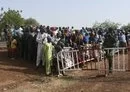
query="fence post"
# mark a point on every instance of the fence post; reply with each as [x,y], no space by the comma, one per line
[129,58]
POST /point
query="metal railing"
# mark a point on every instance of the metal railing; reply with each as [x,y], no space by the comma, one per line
[3,46]
[106,60]
[77,59]
[119,58]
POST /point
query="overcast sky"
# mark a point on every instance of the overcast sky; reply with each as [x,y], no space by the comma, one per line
[75,13]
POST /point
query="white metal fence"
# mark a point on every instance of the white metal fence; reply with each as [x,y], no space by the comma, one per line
[3,46]
[77,59]
[106,60]
[119,58]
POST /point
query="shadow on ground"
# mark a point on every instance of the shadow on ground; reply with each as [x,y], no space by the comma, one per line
[19,65]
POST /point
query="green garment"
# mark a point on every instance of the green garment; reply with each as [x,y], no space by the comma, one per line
[110,42]
[47,52]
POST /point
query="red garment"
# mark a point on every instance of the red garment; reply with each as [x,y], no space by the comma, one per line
[13,52]
[9,52]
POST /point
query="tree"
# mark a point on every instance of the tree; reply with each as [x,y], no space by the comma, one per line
[1,13]
[31,22]
[106,24]
[126,27]
[11,18]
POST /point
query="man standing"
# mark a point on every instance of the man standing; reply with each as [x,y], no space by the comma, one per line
[41,39]
[24,44]
[31,44]
[110,42]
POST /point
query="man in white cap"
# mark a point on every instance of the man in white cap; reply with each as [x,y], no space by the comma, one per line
[41,39]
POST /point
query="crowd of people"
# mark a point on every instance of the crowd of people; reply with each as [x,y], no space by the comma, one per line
[41,44]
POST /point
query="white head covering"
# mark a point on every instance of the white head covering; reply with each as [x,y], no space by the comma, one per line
[38,30]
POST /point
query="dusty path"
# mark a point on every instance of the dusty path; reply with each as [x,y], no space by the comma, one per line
[20,76]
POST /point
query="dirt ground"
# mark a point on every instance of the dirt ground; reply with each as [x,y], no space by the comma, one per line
[21,76]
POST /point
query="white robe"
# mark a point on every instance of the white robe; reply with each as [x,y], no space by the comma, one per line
[41,38]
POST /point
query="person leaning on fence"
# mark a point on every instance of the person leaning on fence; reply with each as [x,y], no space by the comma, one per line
[58,47]
[47,55]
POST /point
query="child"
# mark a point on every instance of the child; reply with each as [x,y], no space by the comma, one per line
[13,48]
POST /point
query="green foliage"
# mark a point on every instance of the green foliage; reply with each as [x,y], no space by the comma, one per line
[126,27]
[11,18]
[31,22]
[106,24]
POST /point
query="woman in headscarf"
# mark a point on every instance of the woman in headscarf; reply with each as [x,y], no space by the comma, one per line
[48,49]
